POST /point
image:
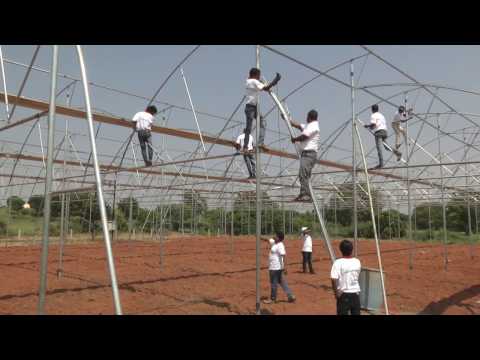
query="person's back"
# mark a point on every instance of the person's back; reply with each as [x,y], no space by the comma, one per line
[345,276]
[379,120]
[348,271]
[143,124]
[143,120]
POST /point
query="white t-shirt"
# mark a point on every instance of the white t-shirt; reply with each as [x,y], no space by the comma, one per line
[277,250]
[241,141]
[347,272]
[144,120]
[312,131]
[307,243]
[379,121]
[253,88]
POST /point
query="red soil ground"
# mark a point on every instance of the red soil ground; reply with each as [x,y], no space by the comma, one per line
[199,275]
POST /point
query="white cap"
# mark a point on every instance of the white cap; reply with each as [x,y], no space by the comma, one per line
[304,229]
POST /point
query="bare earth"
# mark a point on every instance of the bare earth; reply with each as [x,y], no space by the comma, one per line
[200,275]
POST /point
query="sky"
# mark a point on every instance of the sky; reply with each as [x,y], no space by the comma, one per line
[216,77]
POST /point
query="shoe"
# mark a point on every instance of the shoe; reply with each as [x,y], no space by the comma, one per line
[378,167]
[251,178]
[292,299]
[399,156]
[269,301]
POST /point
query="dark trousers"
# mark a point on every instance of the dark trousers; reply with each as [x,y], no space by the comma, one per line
[348,304]
[145,139]
[250,164]
[251,115]
[307,260]
[277,278]
[380,137]
[307,162]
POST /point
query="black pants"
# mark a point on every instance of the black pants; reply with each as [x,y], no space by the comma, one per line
[307,260]
[145,139]
[348,304]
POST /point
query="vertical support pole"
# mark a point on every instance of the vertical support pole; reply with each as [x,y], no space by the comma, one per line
[476,219]
[130,218]
[62,235]
[354,165]
[378,219]
[390,218]
[468,203]
[183,212]
[232,214]
[429,222]
[91,225]
[258,199]
[410,237]
[335,215]
[444,211]
[248,214]
[98,180]
[62,210]
[161,234]
[4,80]
[48,185]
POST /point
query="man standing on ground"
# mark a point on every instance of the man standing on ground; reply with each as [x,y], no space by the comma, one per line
[143,124]
[344,274]
[253,88]
[400,117]
[277,269]
[307,250]
[248,154]
[309,142]
[378,125]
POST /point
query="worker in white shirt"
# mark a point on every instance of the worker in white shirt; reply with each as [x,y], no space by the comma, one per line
[248,154]
[143,124]
[400,117]
[344,275]
[309,142]
[253,88]
[277,268]
[378,125]
[307,250]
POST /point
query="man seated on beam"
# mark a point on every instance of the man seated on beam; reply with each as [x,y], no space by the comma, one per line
[309,142]
[253,88]
[144,121]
